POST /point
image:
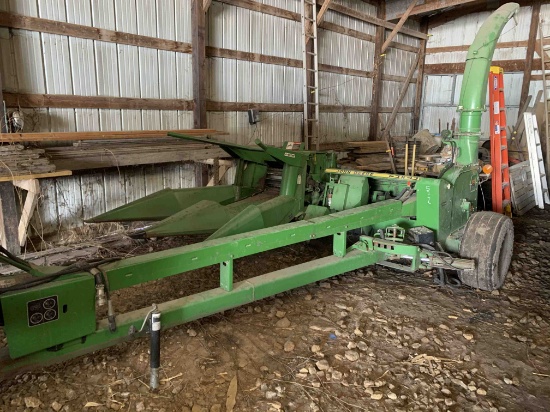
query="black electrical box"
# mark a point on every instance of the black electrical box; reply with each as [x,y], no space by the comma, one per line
[253,116]
[422,235]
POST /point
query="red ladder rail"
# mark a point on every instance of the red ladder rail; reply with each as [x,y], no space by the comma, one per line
[499,143]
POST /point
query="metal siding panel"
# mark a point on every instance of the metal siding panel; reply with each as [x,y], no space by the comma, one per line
[110,119]
[115,190]
[62,120]
[187,172]
[185,120]
[183,20]
[26,8]
[146,13]
[87,120]
[167,74]
[148,73]
[129,67]
[184,79]
[103,14]
[93,195]
[82,61]
[171,176]
[69,202]
[8,69]
[107,68]
[168,120]
[126,16]
[28,50]
[45,219]
[166,23]
[131,119]
[57,67]
[150,119]
[243,86]
[134,184]
[153,179]
[79,12]
[52,9]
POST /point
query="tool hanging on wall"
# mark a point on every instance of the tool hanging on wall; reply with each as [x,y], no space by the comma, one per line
[500,180]
[407,157]
[413,157]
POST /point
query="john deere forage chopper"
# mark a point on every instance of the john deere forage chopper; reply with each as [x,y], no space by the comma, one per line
[417,222]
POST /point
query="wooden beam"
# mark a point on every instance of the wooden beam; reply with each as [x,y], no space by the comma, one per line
[71,101]
[252,57]
[243,107]
[393,115]
[17,21]
[533,31]
[434,5]
[206,5]
[321,14]
[198,21]
[399,101]
[501,45]
[457,68]
[377,76]
[107,135]
[370,19]
[420,79]
[33,191]
[264,8]
[57,173]
[398,26]
[94,102]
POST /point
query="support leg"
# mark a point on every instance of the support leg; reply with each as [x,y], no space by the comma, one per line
[9,218]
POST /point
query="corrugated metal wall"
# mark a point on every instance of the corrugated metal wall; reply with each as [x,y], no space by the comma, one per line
[44,63]
[441,92]
[41,63]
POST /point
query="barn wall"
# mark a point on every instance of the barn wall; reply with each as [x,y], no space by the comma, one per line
[441,93]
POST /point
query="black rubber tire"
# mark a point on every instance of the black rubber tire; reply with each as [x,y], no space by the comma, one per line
[489,240]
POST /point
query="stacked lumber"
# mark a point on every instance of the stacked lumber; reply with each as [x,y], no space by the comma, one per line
[103,154]
[16,160]
[73,136]
[370,156]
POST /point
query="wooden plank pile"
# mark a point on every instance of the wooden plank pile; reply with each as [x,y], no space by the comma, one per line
[370,156]
[104,154]
[16,160]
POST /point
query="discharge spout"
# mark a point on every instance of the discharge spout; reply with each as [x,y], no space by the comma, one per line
[474,86]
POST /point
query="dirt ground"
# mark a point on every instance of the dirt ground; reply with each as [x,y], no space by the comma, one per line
[373,340]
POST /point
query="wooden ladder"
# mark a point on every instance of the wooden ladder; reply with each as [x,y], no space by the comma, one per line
[500,180]
[311,73]
[536,160]
[545,59]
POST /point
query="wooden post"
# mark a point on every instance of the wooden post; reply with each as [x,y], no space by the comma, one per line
[9,218]
[533,31]
[377,74]
[198,62]
[420,78]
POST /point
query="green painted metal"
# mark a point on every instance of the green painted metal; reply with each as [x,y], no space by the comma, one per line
[474,84]
[195,307]
[49,314]
[332,202]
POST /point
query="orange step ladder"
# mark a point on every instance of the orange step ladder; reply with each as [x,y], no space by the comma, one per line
[499,143]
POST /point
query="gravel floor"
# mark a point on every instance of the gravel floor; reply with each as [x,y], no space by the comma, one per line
[374,340]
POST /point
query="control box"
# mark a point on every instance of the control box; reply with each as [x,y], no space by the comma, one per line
[49,315]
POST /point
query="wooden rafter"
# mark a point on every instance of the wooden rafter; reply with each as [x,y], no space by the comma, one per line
[321,14]
[397,27]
